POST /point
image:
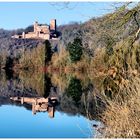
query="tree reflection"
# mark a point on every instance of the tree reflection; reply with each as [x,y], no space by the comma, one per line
[47,86]
[74,89]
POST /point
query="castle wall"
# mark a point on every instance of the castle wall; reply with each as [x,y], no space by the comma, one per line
[44,36]
[43,29]
[30,35]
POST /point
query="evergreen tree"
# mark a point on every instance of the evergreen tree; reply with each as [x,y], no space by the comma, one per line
[75,50]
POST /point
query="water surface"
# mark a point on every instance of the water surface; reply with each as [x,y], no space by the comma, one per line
[66,118]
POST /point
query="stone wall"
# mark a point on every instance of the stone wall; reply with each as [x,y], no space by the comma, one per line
[44,36]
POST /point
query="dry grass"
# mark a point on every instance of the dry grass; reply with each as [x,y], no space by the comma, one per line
[3,55]
[33,59]
[122,118]
[62,60]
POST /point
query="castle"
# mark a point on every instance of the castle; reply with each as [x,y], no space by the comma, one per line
[41,31]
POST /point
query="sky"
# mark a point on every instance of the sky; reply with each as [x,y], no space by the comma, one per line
[14,15]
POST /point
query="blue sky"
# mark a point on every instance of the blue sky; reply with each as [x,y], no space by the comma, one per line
[22,14]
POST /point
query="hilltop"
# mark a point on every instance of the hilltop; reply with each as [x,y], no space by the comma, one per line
[94,32]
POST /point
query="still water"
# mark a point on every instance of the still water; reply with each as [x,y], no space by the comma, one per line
[17,122]
[26,113]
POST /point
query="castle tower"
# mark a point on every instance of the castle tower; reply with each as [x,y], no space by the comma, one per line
[23,35]
[53,24]
[35,27]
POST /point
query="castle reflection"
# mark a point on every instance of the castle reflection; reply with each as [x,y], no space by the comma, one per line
[39,104]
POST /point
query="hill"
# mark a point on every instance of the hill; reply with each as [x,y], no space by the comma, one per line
[116,26]
[102,32]
[94,33]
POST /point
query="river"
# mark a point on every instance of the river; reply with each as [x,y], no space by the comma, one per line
[45,106]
